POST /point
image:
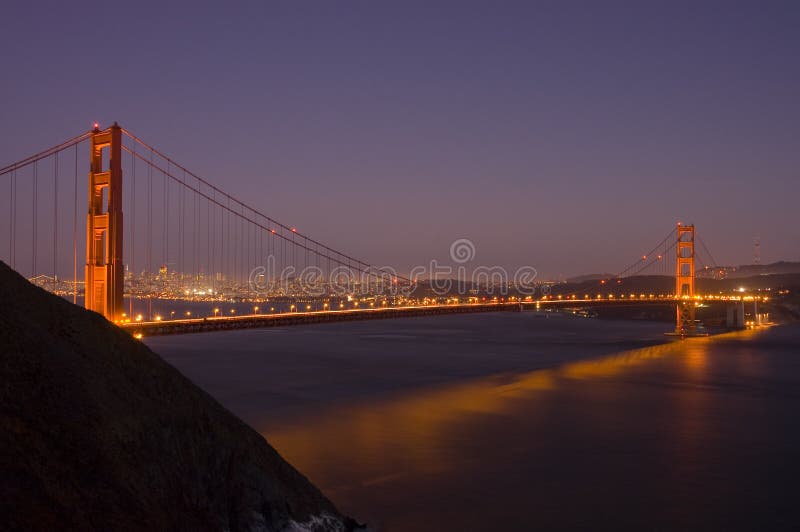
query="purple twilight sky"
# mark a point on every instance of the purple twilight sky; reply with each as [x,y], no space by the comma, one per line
[563,135]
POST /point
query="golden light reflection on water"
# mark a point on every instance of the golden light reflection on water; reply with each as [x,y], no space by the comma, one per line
[412,435]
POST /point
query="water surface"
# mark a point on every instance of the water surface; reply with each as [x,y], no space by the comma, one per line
[505,421]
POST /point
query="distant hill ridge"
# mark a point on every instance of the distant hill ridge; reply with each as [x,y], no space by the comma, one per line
[99,433]
[748,270]
[731,272]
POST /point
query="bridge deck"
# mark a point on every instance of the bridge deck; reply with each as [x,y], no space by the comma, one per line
[253,321]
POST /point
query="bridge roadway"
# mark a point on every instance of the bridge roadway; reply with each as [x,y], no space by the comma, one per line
[254,321]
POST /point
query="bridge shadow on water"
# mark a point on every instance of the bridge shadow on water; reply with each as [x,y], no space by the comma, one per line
[692,434]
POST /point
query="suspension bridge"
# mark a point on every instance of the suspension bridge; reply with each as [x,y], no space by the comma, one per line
[166,234]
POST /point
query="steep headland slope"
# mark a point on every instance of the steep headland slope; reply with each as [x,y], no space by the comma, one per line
[99,433]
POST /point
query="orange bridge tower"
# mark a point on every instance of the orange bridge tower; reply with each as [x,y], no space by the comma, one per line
[684,281]
[104,269]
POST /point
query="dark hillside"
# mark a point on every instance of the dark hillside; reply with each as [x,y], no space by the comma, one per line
[99,433]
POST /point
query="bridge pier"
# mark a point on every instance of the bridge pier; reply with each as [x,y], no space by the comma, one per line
[734,316]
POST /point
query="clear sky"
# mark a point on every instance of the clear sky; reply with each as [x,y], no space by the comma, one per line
[569,136]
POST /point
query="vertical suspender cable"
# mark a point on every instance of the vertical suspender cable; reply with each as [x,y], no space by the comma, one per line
[229,241]
[34,214]
[194,232]
[133,228]
[182,224]
[150,215]
[193,225]
[242,239]
[236,248]
[208,239]
[10,213]
[75,232]
[222,240]
[213,230]
[13,214]
[236,251]
[55,218]
[249,246]
[243,244]
[165,250]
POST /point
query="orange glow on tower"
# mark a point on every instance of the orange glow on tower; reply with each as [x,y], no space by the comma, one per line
[104,268]
[684,280]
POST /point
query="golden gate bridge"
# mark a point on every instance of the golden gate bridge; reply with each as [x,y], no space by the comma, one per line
[190,239]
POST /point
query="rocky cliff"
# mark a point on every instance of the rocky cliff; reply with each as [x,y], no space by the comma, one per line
[99,433]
